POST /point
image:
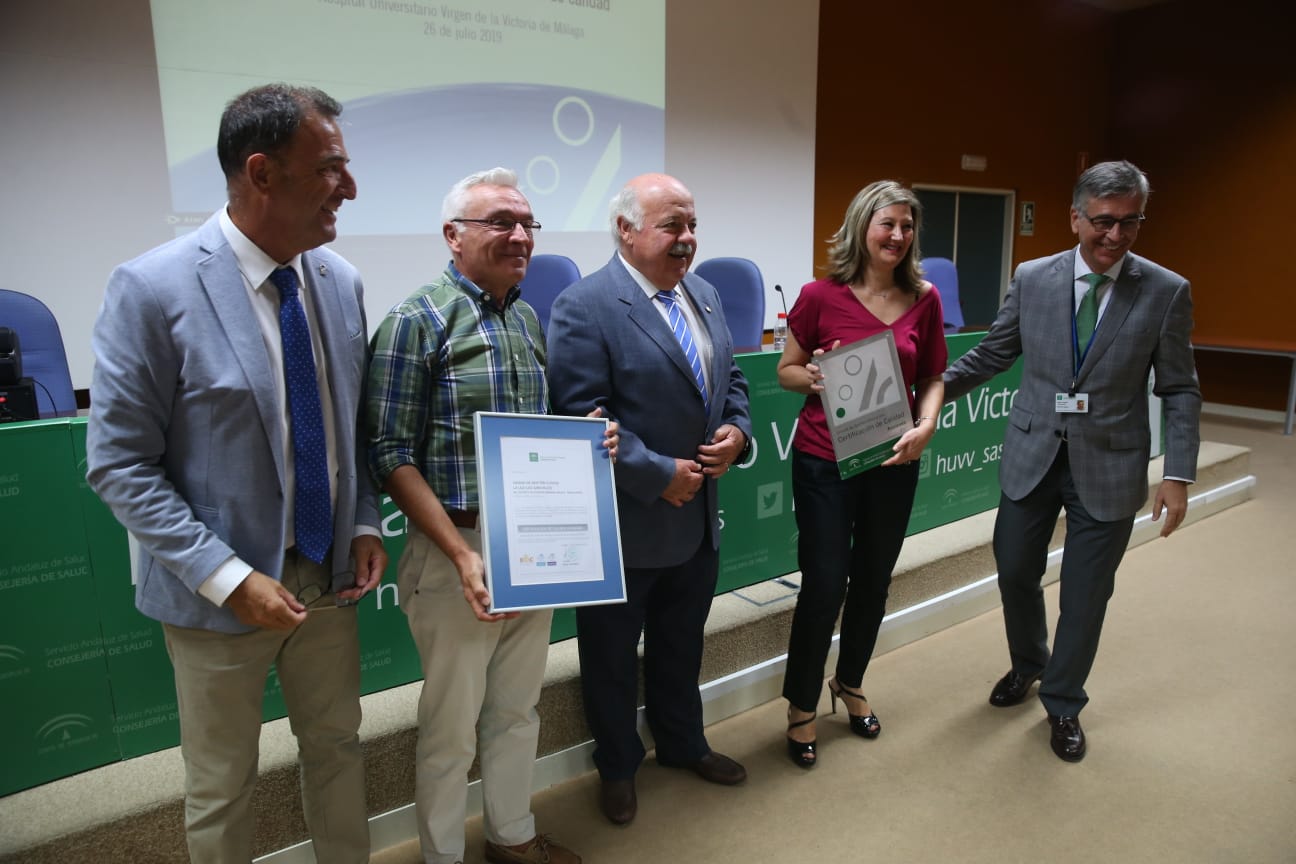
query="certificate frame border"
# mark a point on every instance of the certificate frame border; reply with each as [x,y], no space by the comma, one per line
[489,428]
[859,461]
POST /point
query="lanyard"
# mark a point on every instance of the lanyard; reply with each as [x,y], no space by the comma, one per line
[1077,355]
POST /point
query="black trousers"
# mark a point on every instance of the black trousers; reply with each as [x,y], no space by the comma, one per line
[669,606]
[1090,556]
[849,537]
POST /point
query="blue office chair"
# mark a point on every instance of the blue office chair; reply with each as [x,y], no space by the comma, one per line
[43,358]
[942,273]
[547,276]
[742,293]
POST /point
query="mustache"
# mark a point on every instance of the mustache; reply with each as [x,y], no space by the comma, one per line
[681,249]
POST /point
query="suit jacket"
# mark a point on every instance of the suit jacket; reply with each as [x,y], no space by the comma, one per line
[1146,325]
[184,439]
[609,347]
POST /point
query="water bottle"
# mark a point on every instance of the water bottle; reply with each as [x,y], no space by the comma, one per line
[780,331]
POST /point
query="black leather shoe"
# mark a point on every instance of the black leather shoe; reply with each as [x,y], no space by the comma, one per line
[717,768]
[1068,739]
[618,801]
[1012,688]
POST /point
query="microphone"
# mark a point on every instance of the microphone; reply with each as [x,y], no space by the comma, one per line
[782,296]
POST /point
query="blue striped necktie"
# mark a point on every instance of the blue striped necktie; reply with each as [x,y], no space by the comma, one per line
[312,510]
[679,327]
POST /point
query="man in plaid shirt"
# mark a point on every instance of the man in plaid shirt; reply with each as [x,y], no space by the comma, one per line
[465,343]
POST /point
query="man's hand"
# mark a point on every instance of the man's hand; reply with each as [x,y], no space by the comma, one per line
[685,484]
[1171,497]
[611,436]
[911,444]
[726,446]
[472,575]
[260,601]
[370,560]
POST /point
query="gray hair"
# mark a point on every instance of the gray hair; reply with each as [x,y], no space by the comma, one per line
[625,205]
[1111,180]
[452,206]
[848,256]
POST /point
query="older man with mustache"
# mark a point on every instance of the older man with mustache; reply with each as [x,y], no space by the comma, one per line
[646,341]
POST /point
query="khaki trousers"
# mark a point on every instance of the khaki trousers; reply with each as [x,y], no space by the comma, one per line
[481,683]
[220,680]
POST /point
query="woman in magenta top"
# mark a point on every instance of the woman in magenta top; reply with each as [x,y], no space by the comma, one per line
[851,531]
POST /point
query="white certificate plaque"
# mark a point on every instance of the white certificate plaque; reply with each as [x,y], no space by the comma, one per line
[548,512]
[865,401]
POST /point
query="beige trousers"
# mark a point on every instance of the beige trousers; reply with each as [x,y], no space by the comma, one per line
[481,683]
[220,680]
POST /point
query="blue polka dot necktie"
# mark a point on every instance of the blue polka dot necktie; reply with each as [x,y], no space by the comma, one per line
[679,327]
[312,509]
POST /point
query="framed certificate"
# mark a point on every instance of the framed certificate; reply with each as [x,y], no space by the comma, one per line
[865,400]
[548,512]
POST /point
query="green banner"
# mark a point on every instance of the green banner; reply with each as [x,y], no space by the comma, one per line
[86,678]
[958,474]
[54,684]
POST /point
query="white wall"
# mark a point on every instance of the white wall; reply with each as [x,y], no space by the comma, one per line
[86,179]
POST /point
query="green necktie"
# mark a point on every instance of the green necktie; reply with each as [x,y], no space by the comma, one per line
[1086,317]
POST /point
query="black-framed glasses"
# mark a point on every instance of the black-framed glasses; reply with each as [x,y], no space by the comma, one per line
[504,226]
[1104,224]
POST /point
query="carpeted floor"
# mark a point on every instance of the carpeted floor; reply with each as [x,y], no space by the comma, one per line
[1192,755]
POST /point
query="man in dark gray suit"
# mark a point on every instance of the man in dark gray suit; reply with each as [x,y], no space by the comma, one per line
[646,341]
[1089,324]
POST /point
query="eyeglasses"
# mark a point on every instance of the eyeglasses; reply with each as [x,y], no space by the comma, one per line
[504,226]
[1104,224]
[312,592]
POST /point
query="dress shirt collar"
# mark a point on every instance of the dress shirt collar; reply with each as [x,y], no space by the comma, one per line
[473,290]
[255,265]
[1082,269]
[642,280]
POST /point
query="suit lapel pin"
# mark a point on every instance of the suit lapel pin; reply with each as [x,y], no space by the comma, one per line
[708,309]
[323,270]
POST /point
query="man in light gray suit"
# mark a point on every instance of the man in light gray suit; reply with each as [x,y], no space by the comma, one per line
[1078,436]
[222,434]
[646,341]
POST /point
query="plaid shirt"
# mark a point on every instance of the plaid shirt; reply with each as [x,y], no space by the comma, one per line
[444,353]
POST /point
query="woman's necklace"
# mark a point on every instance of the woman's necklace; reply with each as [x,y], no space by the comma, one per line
[881,295]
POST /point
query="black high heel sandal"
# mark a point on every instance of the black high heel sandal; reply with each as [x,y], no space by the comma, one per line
[864,725]
[802,753]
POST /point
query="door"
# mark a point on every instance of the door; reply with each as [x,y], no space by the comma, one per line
[972,228]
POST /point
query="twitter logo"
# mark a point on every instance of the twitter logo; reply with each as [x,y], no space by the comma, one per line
[769,500]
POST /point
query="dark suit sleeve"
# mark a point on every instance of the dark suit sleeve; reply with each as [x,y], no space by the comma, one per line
[737,409]
[1176,385]
[995,353]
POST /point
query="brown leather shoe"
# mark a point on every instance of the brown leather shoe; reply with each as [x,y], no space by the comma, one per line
[618,801]
[717,768]
[1012,688]
[1067,738]
[540,850]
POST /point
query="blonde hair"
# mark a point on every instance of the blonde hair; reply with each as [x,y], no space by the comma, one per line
[848,257]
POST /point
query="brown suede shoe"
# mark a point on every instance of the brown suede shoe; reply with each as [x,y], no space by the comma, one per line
[539,850]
